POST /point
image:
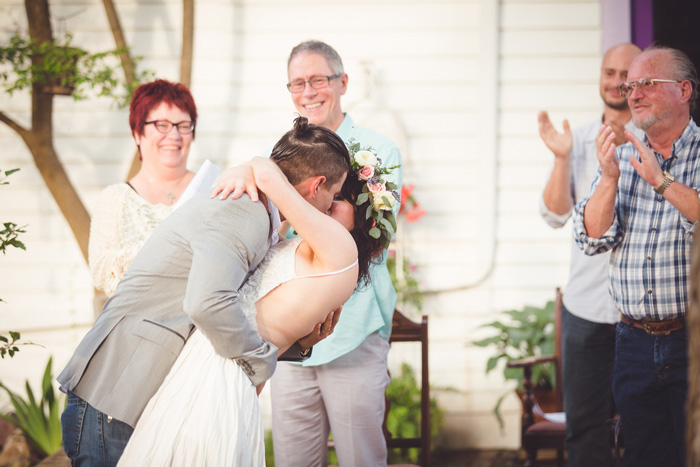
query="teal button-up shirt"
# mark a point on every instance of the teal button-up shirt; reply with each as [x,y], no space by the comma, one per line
[370,309]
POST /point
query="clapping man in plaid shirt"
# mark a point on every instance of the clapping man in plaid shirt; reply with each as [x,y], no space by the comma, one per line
[644,208]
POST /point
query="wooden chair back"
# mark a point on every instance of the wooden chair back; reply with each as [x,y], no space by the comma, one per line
[406,330]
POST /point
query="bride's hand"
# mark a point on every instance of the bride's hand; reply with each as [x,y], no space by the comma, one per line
[235,181]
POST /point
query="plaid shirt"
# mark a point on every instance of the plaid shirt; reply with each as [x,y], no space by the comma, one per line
[651,241]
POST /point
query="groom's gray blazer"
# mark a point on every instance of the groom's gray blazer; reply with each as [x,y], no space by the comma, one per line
[187,274]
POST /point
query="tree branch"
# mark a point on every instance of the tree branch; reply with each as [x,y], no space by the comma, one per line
[124,56]
[23,132]
[187,42]
[127,66]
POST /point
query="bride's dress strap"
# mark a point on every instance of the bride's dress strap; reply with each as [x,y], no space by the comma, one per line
[329,273]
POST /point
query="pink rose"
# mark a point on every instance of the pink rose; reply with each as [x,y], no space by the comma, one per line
[366,172]
[376,187]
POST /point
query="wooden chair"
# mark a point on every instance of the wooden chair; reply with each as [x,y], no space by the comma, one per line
[537,432]
[405,330]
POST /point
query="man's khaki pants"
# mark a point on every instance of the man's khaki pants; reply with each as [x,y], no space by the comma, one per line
[345,397]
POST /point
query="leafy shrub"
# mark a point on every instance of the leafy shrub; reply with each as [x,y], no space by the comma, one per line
[529,332]
[404,416]
[39,420]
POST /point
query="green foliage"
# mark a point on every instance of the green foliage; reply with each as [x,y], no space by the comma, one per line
[404,416]
[39,420]
[529,332]
[24,62]
[9,345]
[269,454]
[405,282]
[8,237]
[10,232]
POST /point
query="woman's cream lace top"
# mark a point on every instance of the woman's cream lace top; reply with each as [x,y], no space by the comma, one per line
[121,223]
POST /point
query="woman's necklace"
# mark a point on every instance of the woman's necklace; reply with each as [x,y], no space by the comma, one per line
[168,193]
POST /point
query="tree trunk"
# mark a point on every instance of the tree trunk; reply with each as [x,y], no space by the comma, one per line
[127,66]
[39,139]
[187,42]
[693,326]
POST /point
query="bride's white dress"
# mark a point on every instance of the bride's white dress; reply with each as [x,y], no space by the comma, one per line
[206,412]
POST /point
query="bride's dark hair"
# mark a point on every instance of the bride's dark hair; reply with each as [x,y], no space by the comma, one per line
[369,249]
[309,150]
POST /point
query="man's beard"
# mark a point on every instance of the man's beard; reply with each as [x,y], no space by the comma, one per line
[622,105]
[644,123]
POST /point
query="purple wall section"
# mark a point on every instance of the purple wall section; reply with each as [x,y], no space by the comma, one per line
[642,22]
[616,23]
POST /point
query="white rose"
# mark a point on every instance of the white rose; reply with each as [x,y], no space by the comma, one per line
[365,158]
[380,201]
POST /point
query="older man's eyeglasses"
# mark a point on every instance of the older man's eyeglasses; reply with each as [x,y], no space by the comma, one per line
[316,82]
[645,84]
[164,126]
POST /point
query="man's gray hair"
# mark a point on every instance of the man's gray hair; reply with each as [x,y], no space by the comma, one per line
[321,48]
[683,69]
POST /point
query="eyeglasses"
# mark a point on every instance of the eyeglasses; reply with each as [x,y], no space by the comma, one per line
[645,85]
[164,126]
[316,82]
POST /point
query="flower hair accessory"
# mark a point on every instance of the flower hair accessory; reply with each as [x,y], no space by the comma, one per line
[379,194]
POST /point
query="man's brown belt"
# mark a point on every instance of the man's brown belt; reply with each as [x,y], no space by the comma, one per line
[655,327]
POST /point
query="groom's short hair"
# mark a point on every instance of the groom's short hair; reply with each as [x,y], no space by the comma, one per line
[309,150]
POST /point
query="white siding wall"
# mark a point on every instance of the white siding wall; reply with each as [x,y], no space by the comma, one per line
[458,84]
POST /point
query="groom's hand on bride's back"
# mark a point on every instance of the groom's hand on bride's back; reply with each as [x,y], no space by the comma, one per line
[321,330]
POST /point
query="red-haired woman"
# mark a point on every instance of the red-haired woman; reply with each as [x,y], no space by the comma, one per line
[162,116]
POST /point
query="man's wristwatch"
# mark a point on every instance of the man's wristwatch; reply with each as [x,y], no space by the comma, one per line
[667,181]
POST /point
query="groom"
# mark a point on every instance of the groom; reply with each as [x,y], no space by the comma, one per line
[186,275]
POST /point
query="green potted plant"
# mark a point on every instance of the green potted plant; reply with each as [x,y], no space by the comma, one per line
[39,419]
[60,68]
[525,333]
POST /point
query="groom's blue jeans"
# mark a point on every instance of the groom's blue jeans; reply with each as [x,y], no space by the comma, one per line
[90,437]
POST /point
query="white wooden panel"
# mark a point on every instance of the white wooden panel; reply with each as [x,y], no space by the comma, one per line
[548,96]
[523,123]
[526,175]
[551,15]
[390,17]
[450,150]
[548,253]
[560,70]
[585,42]
[526,150]
[352,45]
[59,309]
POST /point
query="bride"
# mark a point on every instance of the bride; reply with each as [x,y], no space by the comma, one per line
[294,288]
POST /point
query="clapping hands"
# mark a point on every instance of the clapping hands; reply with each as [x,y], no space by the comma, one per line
[559,143]
[647,166]
[605,152]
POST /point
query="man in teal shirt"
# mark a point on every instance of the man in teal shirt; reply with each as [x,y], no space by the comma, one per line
[340,388]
